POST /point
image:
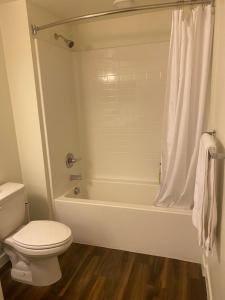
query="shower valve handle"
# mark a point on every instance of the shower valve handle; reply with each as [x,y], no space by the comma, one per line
[71,160]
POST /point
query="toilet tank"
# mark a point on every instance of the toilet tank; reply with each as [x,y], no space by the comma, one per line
[12,208]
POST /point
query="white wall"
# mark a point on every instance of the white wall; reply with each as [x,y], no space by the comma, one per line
[123,30]
[61,108]
[58,96]
[9,158]
[121,110]
[55,74]
[121,64]
[22,86]
[216,263]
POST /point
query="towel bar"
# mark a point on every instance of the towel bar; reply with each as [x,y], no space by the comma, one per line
[212,152]
[215,155]
[211,132]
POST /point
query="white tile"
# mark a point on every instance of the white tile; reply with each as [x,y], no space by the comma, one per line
[122,106]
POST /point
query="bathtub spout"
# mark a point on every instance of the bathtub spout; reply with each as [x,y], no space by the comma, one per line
[76,177]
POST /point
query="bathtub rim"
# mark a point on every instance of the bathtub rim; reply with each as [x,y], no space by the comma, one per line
[132,206]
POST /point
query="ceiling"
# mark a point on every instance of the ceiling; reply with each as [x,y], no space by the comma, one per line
[69,8]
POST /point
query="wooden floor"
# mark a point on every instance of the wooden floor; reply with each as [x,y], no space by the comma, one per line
[93,273]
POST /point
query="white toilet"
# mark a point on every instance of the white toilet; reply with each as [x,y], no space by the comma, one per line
[32,248]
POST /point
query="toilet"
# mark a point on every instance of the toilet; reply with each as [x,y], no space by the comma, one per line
[32,248]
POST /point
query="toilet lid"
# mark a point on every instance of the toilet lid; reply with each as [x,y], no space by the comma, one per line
[42,234]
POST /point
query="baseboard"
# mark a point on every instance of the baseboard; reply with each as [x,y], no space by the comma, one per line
[3,259]
[206,274]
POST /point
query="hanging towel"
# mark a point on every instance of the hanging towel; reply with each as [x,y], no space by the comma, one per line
[204,215]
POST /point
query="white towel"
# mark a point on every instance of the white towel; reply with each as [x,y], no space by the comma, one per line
[204,215]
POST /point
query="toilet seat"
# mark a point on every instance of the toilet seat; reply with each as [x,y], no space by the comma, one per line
[41,239]
[39,253]
[40,235]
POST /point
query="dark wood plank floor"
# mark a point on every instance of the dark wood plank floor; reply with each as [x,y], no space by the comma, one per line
[93,273]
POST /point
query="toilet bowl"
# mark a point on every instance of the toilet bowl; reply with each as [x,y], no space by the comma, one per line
[34,250]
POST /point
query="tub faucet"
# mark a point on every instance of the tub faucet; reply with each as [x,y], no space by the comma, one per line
[76,177]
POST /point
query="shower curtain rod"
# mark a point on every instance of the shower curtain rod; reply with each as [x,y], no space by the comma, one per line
[37,28]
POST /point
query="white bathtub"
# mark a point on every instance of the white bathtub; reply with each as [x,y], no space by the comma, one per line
[121,215]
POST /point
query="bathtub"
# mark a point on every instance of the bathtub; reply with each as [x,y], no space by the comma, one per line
[120,215]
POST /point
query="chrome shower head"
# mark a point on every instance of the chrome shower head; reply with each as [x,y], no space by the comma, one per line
[69,43]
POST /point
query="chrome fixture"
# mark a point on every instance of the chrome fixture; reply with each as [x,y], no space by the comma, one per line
[69,43]
[76,177]
[71,160]
[211,132]
[36,28]
[76,191]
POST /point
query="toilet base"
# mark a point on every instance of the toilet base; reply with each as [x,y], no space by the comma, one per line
[34,271]
[42,272]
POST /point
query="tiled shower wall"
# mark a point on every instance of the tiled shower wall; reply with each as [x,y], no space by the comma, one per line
[121,100]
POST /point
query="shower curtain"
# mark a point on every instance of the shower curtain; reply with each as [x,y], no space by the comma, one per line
[186,93]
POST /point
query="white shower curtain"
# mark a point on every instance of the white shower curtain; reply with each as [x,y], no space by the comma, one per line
[187,87]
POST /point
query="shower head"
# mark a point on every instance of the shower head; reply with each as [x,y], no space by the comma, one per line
[69,43]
